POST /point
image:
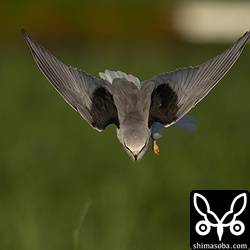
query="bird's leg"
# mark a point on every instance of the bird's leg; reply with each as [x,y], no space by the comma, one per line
[155,148]
[156,132]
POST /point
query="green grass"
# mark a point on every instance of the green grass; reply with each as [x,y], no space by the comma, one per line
[65,186]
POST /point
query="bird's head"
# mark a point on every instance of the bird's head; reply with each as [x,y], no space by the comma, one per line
[135,140]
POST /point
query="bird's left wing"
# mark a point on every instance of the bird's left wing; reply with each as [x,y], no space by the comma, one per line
[86,94]
[175,93]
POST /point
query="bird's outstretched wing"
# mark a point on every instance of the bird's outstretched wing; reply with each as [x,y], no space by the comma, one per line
[86,94]
[176,92]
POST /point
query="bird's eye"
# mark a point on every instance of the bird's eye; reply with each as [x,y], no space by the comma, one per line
[143,146]
[132,151]
[127,148]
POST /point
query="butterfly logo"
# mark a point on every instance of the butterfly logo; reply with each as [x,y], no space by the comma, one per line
[210,219]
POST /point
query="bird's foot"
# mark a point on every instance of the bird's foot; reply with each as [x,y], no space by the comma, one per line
[155,148]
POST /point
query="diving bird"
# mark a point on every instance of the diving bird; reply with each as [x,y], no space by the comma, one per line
[139,110]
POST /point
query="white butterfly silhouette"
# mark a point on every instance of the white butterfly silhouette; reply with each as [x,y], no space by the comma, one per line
[236,227]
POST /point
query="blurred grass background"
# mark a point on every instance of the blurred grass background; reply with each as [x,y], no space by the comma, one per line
[54,167]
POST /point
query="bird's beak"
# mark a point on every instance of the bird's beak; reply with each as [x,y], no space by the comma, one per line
[135,156]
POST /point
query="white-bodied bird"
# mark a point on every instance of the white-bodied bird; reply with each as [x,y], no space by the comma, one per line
[139,110]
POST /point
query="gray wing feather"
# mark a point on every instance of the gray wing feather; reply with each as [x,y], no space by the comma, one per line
[74,85]
[192,84]
[186,122]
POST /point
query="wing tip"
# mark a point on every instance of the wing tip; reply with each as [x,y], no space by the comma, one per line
[27,38]
[24,33]
[244,38]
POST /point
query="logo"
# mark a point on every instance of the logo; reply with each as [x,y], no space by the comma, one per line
[220,219]
[203,227]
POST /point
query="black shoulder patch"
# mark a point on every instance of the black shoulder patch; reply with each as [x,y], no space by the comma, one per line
[103,109]
[163,107]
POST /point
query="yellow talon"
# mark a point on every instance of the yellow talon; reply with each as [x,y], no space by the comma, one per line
[155,148]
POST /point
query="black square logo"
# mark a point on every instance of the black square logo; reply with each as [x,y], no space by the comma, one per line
[220,219]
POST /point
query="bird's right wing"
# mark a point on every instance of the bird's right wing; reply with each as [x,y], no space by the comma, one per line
[175,93]
[86,94]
